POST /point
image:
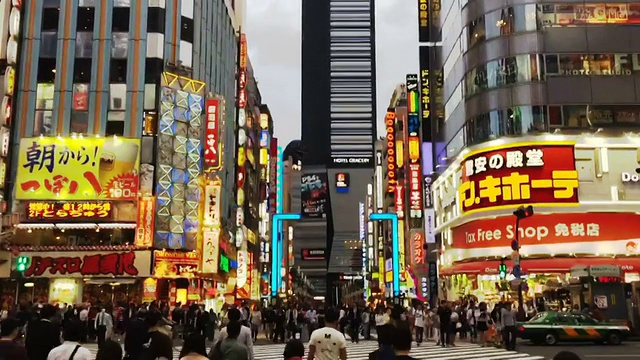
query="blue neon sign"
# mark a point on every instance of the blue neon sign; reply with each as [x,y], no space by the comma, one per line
[395,246]
[276,248]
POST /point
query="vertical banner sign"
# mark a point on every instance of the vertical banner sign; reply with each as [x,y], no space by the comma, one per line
[433,284]
[389,122]
[399,201]
[363,236]
[210,251]
[212,204]
[423,21]
[273,175]
[416,242]
[213,149]
[144,225]
[429,212]
[415,191]
[414,129]
[425,92]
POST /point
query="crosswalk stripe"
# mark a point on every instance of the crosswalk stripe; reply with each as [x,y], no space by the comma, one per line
[361,350]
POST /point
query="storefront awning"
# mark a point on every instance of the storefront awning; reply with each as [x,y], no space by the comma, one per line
[538,266]
[79,225]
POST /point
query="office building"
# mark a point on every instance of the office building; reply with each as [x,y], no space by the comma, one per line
[107,146]
[338,116]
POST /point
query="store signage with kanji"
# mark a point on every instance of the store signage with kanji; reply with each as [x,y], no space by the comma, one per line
[57,168]
[41,210]
[93,264]
[517,174]
[212,148]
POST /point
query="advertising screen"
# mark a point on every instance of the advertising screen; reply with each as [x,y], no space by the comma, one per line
[518,174]
[315,195]
[57,168]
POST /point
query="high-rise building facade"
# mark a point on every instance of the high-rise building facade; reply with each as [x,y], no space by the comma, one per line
[108,146]
[338,117]
[545,94]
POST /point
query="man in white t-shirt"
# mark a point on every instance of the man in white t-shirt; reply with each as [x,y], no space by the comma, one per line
[328,343]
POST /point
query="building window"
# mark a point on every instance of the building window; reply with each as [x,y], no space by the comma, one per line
[46,70]
[120,21]
[120,45]
[51,4]
[86,18]
[50,17]
[117,97]
[80,97]
[118,71]
[115,123]
[84,44]
[153,69]
[186,32]
[155,20]
[79,122]
[44,106]
[82,70]
[49,44]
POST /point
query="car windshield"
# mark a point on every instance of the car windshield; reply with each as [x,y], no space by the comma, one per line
[538,318]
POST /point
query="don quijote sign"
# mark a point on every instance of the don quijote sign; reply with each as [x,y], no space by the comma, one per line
[630,177]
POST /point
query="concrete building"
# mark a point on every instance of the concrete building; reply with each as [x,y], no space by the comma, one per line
[538,91]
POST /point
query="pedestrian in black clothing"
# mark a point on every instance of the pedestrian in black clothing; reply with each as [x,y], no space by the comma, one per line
[280,325]
[355,319]
[110,350]
[43,335]
[444,314]
[136,335]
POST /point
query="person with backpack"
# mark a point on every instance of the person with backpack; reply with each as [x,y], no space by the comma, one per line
[454,325]
[71,348]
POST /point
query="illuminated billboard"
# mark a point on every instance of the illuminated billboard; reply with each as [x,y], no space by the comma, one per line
[511,175]
[389,122]
[69,168]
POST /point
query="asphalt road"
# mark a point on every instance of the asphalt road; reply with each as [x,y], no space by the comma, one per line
[626,351]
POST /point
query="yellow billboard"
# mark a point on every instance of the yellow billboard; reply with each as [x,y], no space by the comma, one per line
[66,168]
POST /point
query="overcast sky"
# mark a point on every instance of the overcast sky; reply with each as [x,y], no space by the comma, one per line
[274,29]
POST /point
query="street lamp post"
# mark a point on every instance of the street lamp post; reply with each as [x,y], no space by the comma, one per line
[520,213]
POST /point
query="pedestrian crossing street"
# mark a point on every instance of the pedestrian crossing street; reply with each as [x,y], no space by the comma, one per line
[361,351]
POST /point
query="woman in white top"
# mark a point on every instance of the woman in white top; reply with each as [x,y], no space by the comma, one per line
[379,318]
[419,315]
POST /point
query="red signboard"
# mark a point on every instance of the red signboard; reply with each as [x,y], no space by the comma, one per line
[115,264]
[557,228]
[72,210]
[399,200]
[244,55]
[144,225]
[415,191]
[389,122]
[212,149]
[518,174]
[242,98]
[417,242]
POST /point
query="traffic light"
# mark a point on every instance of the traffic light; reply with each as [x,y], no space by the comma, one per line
[502,270]
[22,263]
[523,212]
